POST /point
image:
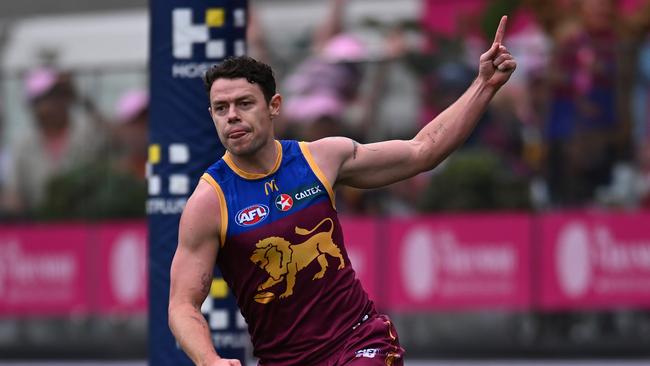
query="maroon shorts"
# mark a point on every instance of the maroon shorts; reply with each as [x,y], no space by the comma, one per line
[373,342]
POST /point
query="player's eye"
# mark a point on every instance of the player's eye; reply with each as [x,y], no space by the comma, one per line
[220,109]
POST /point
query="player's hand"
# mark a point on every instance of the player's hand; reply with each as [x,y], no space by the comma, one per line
[497,64]
[226,362]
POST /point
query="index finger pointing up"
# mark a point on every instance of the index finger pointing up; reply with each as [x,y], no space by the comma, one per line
[498,37]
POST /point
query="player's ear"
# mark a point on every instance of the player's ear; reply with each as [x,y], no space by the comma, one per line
[210,112]
[274,105]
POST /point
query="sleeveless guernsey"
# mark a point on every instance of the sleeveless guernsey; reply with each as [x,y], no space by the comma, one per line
[283,256]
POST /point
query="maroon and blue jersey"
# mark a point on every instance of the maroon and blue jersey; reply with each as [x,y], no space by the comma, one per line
[282,254]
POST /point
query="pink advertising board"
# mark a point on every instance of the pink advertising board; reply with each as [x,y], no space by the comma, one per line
[361,244]
[579,260]
[44,270]
[459,262]
[595,260]
[122,268]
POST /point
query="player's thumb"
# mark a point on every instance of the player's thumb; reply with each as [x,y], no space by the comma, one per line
[235,363]
[491,53]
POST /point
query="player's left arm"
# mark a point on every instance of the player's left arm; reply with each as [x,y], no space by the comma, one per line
[347,162]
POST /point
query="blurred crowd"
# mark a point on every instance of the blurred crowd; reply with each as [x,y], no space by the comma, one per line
[570,130]
[73,161]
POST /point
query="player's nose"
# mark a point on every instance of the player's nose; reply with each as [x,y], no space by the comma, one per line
[232,115]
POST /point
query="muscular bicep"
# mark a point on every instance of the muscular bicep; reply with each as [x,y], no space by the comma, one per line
[198,243]
[368,165]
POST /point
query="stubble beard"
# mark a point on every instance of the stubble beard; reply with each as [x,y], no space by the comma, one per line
[250,148]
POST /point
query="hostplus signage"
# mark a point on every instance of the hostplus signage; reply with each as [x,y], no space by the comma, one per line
[204,36]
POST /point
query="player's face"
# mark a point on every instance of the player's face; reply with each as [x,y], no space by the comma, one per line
[241,115]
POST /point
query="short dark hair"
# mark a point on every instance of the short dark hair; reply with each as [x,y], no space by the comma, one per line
[256,72]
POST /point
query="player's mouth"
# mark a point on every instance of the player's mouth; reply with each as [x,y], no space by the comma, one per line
[236,134]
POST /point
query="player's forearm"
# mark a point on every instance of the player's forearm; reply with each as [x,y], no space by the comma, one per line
[451,128]
[192,333]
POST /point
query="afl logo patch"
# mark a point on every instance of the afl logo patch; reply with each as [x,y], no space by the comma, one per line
[284,202]
[252,215]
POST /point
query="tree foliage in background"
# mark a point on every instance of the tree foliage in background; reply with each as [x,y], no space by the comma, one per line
[493,13]
[94,191]
[475,179]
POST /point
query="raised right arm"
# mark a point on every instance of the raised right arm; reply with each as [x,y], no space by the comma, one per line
[191,275]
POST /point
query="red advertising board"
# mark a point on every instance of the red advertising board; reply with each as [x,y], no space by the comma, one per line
[122,268]
[62,269]
[43,270]
[459,262]
[360,243]
[557,261]
[595,260]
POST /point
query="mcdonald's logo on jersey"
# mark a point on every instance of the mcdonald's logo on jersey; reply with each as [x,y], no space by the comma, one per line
[270,187]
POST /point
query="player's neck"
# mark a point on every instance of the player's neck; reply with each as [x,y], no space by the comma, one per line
[262,162]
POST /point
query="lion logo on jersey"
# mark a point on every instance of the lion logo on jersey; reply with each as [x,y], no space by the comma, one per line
[283,260]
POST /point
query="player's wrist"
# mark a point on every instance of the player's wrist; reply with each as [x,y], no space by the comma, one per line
[209,359]
[483,85]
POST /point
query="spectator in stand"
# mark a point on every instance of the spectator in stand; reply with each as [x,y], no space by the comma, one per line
[582,120]
[587,128]
[132,133]
[642,135]
[641,98]
[4,160]
[324,88]
[641,128]
[326,85]
[113,185]
[67,132]
[643,180]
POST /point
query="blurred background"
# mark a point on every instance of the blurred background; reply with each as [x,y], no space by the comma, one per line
[531,241]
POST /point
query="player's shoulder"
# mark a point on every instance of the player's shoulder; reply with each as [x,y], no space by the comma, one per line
[329,154]
[329,142]
[204,202]
[201,216]
[330,146]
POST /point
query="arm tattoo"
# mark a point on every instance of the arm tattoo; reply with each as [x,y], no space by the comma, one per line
[206,281]
[355,148]
[433,141]
[439,127]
